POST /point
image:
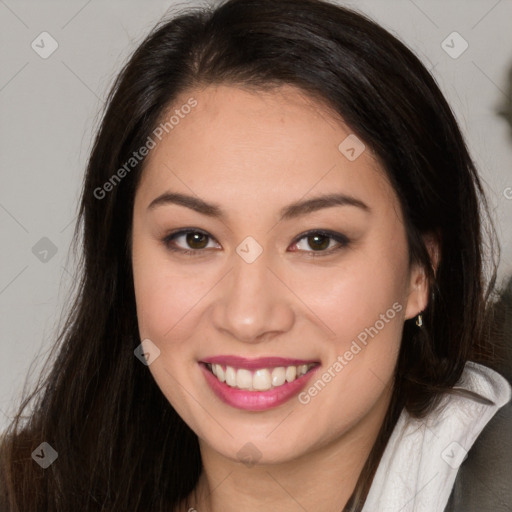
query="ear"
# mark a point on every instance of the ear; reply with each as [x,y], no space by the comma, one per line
[419,292]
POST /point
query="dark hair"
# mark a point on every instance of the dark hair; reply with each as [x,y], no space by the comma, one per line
[121,445]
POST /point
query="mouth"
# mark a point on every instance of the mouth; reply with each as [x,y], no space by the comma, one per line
[260,379]
[256,384]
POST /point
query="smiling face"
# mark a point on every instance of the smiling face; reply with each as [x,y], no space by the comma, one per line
[256,238]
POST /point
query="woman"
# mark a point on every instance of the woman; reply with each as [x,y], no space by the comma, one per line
[283,301]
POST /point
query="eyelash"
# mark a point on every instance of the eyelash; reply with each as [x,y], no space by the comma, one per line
[341,239]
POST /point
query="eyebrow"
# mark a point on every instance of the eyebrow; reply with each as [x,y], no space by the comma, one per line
[293,210]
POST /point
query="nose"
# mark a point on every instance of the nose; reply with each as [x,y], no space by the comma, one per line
[253,305]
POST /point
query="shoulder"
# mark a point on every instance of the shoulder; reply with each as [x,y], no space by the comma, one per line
[483,479]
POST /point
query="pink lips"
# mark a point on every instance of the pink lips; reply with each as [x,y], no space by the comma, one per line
[255,400]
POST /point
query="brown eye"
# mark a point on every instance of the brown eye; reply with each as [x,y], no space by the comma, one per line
[318,242]
[190,241]
[197,240]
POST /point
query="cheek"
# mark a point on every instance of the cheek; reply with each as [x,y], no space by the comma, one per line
[167,303]
[364,304]
[352,296]
[362,301]
[165,297]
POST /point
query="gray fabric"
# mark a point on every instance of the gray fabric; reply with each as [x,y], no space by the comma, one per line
[484,480]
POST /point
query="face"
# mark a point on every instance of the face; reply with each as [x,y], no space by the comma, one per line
[264,253]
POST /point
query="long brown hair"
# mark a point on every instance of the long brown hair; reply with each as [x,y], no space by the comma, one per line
[120,444]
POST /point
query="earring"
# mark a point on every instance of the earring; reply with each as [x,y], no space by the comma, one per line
[419,320]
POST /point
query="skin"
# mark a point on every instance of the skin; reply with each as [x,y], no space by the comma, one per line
[252,154]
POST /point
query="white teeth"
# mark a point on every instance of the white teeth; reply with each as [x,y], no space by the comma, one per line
[243,379]
[260,380]
[219,372]
[301,370]
[291,373]
[230,376]
[278,376]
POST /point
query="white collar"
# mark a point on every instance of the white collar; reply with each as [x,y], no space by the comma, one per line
[419,465]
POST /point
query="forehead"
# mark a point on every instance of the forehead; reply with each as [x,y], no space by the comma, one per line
[241,144]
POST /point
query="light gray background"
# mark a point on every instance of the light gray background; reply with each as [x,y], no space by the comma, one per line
[49,111]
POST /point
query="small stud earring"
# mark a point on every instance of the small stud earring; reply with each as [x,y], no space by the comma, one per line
[419,320]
